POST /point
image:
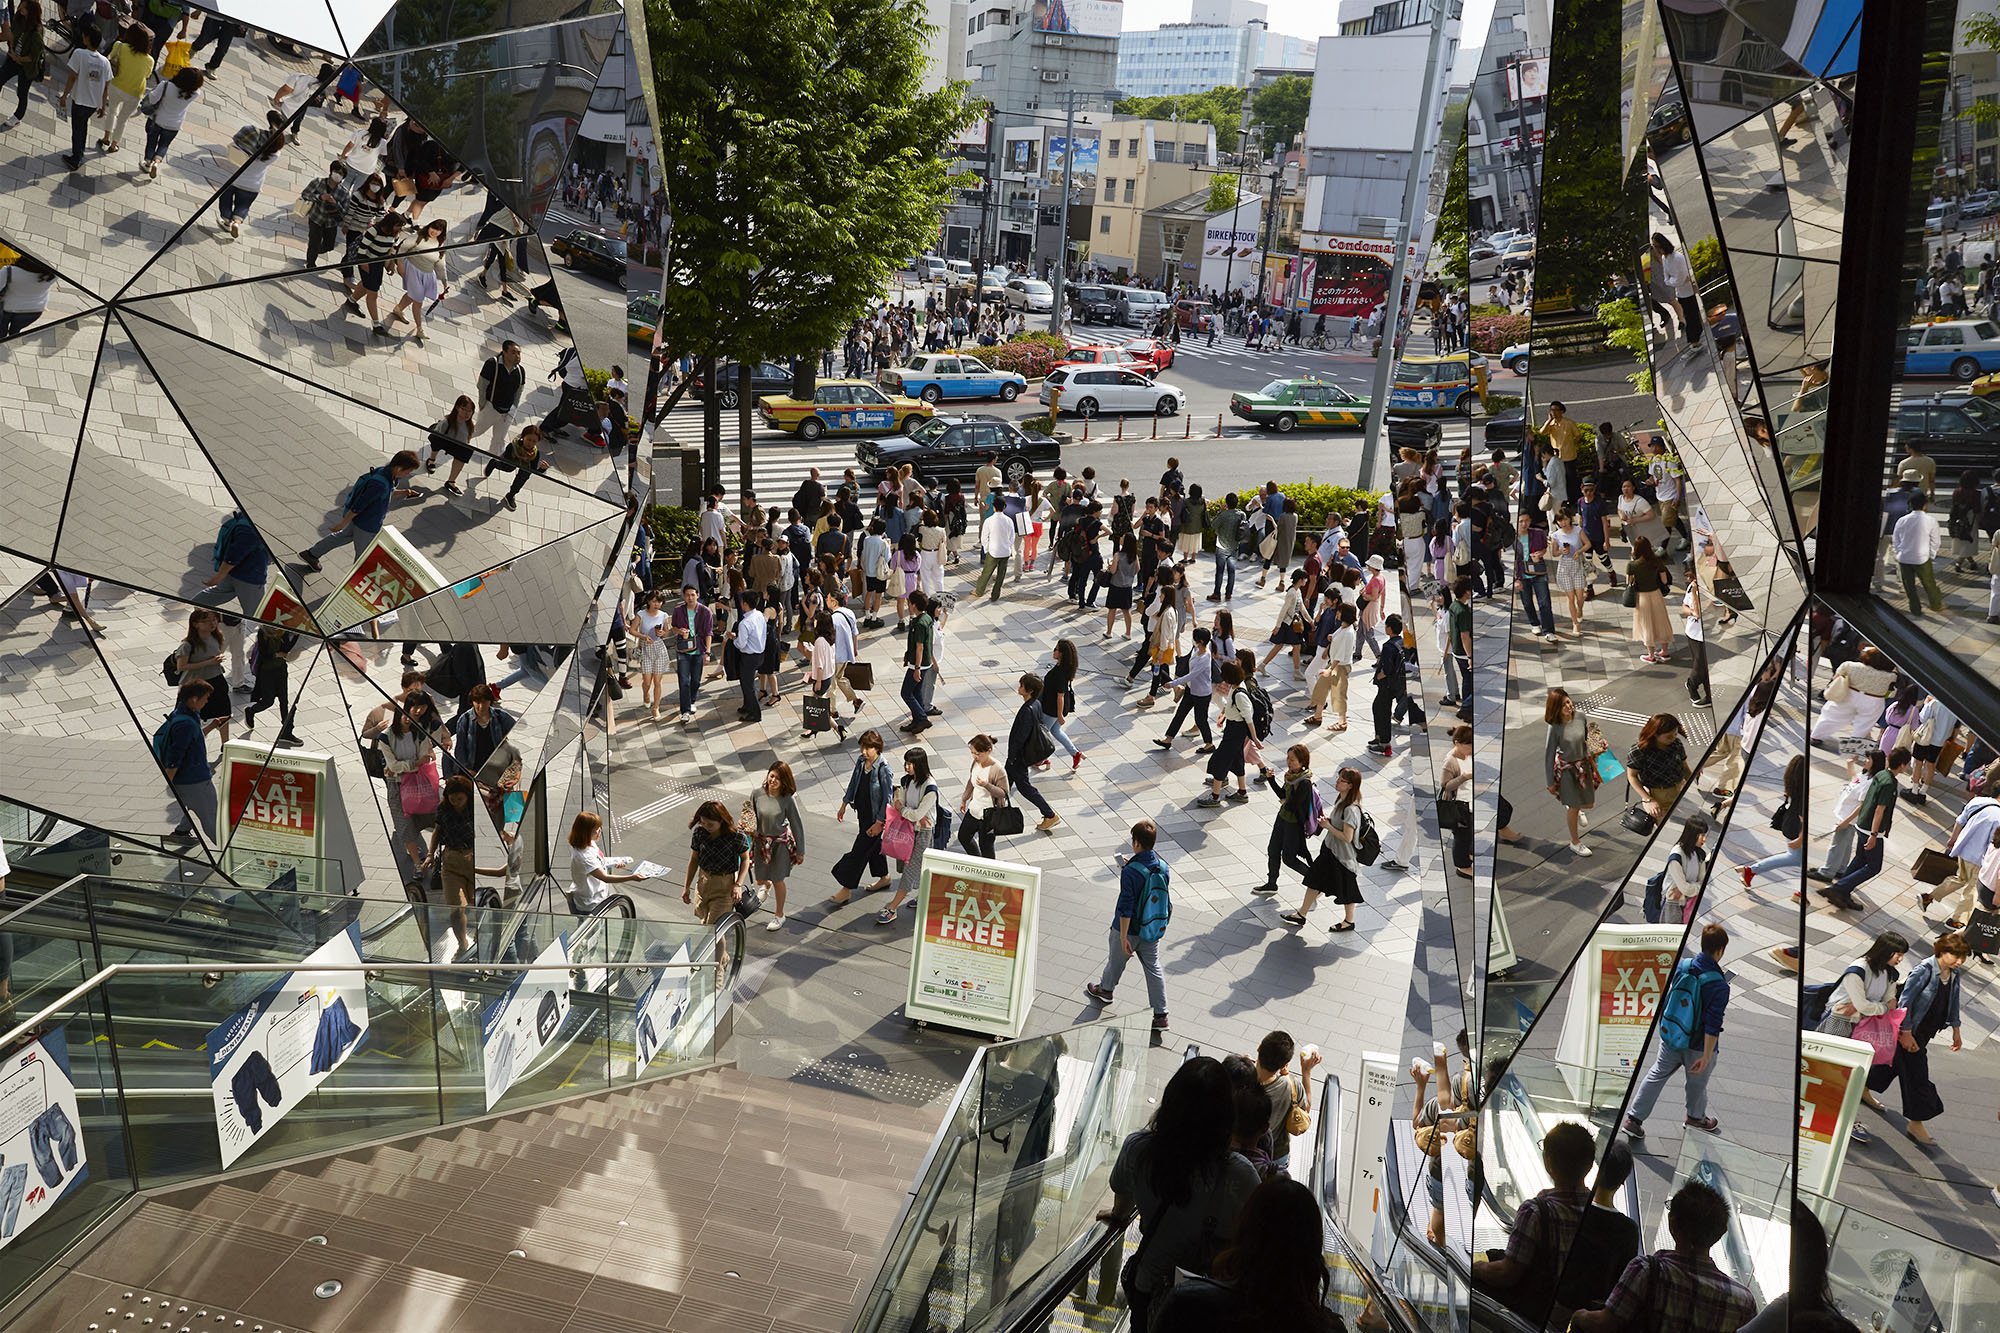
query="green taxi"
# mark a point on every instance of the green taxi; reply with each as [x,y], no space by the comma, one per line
[1286,405]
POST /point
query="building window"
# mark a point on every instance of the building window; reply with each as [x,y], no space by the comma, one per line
[1163,150]
[1131,148]
[1110,188]
[1114,148]
[1194,152]
[1104,224]
[1129,183]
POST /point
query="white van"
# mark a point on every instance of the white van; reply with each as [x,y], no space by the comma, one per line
[1141,307]
[931,268]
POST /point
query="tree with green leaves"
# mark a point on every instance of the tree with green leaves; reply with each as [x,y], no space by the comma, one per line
[1592,218]
[1280,106]
[803,163]
[1221,192]
[1220,107]
[1453,236]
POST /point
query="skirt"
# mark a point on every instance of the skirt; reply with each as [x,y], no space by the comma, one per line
[1570,576]
[1334,878]
[656,658]
[1649,620]
[420,283]
[1227,761]
[1117,598]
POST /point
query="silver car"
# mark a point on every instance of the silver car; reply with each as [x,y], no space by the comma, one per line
[1030,294]
[1088,391]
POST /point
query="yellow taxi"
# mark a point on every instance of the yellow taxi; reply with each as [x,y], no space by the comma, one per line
[1438,385]
[843,407]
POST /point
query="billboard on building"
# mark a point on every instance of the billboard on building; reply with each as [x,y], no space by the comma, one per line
[1083,162]
[1350,274]
[1023,156]
[1081,18]
[1527,80]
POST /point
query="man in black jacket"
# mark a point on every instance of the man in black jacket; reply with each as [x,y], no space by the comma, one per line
[1028,745]
[1391,685]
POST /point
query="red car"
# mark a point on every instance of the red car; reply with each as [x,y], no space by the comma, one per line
[1089,354]
[1149,351]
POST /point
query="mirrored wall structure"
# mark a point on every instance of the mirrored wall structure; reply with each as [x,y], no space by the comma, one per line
[222,348]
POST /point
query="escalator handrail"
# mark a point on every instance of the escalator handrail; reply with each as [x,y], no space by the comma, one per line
[41,898]
[1095,1091]
[1325,1180]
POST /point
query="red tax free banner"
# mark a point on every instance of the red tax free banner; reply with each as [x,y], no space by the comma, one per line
[383,582]
[1822,1090]
[278,800]
[985,918]
[1630,983]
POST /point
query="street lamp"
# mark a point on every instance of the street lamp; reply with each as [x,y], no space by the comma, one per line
[1242,157]
[1062,233]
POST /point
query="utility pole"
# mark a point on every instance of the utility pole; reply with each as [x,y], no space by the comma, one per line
[1242,157]
[1270,219]
[1392,308]
[983,255]
[1069,158]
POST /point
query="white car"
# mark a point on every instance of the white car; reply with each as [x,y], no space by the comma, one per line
[1515,358]
[1030,294]
[959,270]
[1090,390]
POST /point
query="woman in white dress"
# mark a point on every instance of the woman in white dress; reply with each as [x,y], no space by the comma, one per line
[656,654]
[1571,580]
[423,276]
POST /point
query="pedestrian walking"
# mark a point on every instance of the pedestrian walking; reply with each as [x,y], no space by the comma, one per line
[1647,581]
[718,860]
[233,205]
[83,93]
[1332,873]
[1392,687]
[1656,767]
[1194,688]
[501,383]
[1297,820]
[1235,712]
[869,791]
[1571,763]
[1673,272]
[996,547]
[1138,923]
[777,836]
[270,657]
[1058,698]
[1028,744]
[27,58]
[131,66]
[180,748]
[1873,819]
[1929,1001]
[916,804]
[366,509]
[751,638]
[986,791]
[1689,1032]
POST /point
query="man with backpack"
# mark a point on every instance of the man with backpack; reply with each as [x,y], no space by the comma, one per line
[367,508]
[1392,686]
[1690,1029]
[1145,906]
[180,748]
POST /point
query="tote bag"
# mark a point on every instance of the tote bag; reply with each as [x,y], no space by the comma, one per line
[899,836]
[419,789]
[1880,1031]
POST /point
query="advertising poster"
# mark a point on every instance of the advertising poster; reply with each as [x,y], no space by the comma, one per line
[41,1135]
[275,807]
[279,607]
[1022,155]
[658,1011]
[1350,274]
[267,1057]
[1613,993]
[1084,18]
[1082,161]
[1832,1071]
[1374,1117]
[526,1018]
[973,965]
[389,574]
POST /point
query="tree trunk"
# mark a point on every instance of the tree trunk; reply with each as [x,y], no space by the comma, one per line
[743,406]
[711,431]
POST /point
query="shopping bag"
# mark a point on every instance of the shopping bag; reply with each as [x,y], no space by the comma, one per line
[179,54]
[861,675]
[819,713]
[899,836]
[419,790]
[1982,931]
[1609,769]
[1729,591]
[1933,866]
[1879,1031]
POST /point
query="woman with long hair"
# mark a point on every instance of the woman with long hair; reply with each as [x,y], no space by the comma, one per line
[198,656]
[1656,766]
[1120,583]
[656,652]
[1650,578]
[916,800]
[1687,863]
[777,836]
[1572,580]
[1059,699]
[1569,763]
[1181,1178]
[716,853]
[1272,1277]
[1790,822]
[1332,872]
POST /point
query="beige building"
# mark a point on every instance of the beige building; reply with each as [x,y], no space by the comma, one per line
[1142,164]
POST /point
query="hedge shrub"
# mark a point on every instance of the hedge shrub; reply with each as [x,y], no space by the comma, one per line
[1493,333]
[1030,354]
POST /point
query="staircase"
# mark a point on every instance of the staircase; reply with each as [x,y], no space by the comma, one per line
[718,1202]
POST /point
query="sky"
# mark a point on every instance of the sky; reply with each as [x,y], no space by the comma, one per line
[1310,18]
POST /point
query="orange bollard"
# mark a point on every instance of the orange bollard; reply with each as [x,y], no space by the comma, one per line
[1086,430]
[1218,425]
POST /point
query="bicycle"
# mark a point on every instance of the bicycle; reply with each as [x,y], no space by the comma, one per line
[1317,343]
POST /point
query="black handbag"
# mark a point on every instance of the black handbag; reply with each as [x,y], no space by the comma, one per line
[748,901]
[1631,597]
[1453,813]
[1636,819]
[1729,591]
[373,763]
[1005,820]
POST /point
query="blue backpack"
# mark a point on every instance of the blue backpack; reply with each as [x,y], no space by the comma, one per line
[1680,1008]
[163,738]
[1155,908]
[235,523]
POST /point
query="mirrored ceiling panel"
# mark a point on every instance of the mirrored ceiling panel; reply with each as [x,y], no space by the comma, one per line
[45,376]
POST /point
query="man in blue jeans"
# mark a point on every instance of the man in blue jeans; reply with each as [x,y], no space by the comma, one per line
[367,508]
[1531,576]
[693,625]
[1697,1057]
[1144,908]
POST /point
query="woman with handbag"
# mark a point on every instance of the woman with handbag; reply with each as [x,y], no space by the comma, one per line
[409,760]
[1332,873]
[719,855]
[777,836]
[985,794]
[1855,698]
[1570,763]
[1291,624]
[822,672]
[912,815]
[1929,1001]
[270,681]
[1790,822]
[1866,988]
[1656,767]
[1647,580]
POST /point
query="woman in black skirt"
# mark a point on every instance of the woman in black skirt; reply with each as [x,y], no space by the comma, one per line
[1233,708]
[1333,869]
[1930,1004]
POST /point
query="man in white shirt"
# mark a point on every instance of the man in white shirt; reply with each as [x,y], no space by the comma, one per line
[1664,470]
[996,548]
[750,639]
[1971,836]
[846,631]
[1915,540]
[83,95]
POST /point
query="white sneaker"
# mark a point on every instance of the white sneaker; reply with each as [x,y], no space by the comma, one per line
[1578,849]
[775,923]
